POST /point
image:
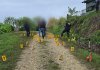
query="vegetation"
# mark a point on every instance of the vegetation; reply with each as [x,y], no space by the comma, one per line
[84,28]
[5,28]
[82,53]
[10,46]
[13,24]
[11,36]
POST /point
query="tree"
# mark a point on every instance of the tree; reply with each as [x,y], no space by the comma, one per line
[36,19]
[72,12]
[62,21]
[52,22]
[13,22]
[23,20]
[10,20]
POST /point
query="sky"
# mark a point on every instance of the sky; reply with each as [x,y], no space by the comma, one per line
[33,8]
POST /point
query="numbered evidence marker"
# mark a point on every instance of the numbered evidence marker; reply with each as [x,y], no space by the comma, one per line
[4,58]
[73,39]
[21,46]
[72,49]
[38,39]
[57,43]
[56,39]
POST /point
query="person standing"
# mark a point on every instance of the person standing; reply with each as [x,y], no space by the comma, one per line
[27,28]
[66,29]
[42,28]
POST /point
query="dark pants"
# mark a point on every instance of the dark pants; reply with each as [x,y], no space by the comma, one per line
[28,33]
[97,6]
[42,30]
[67,31]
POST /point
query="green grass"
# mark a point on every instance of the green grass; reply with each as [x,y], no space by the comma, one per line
[9,46]
[82,54]
[84,26]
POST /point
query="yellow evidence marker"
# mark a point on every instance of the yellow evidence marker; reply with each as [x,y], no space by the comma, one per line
[39,40]
[21,46]
[73,39]
[4,58]
[56,40]
[72,49]
[57,43]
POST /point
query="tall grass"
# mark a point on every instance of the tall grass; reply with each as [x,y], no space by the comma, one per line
[9,46]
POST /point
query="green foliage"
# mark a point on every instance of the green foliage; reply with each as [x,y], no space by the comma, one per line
[72,11]
[56,29]
[85,26]
[18,24]
[9,45]
[82,54]
[23,20]
[95,38]
[10,20]
[56,25]
[5,28]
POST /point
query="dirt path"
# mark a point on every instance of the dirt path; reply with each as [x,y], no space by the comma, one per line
[47,56]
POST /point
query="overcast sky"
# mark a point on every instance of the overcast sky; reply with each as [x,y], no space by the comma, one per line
[33,8]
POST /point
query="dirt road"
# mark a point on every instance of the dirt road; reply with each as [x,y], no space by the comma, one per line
[47,56]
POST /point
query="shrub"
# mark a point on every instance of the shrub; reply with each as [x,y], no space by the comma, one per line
[5,28]
[96,37]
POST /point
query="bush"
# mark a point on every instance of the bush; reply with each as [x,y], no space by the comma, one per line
[96,37]
[5,28]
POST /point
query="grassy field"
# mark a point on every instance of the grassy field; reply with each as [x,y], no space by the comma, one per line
[82,54]
[9,46]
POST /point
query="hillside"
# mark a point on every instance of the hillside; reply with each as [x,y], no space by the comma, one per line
[88,27]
